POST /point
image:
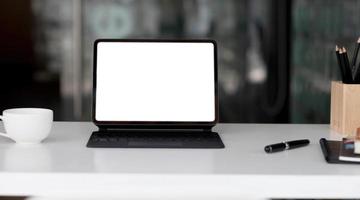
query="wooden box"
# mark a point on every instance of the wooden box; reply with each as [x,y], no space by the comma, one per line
[345,108]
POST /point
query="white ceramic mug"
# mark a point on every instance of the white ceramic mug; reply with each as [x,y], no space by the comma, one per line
[27,125]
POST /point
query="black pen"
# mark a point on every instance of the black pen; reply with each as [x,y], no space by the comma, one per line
[356,74]
[355,54]
[286,145]
[348,68]
[340,63]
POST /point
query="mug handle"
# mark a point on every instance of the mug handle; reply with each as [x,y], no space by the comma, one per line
[4,134]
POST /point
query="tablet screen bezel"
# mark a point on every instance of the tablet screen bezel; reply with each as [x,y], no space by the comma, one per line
[154,124]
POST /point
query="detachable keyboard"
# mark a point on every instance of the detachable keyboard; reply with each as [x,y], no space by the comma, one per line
[161,139]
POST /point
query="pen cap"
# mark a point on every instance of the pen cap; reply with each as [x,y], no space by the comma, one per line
[298,143]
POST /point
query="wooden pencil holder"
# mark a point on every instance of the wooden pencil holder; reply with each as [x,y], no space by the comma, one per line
[345,108]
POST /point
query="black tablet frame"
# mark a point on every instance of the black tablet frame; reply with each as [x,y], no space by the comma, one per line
[154,124]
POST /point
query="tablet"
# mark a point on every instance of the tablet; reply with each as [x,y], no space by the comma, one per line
[159,82]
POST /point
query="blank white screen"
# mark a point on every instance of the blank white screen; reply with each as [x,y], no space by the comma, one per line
[155,81]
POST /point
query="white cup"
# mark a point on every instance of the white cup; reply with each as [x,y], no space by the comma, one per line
[27,125]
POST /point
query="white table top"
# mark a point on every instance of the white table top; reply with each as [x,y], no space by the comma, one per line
[63,165]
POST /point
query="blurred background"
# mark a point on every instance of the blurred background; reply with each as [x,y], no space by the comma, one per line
[276,57]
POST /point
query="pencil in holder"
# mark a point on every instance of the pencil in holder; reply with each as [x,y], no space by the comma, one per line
[345,108]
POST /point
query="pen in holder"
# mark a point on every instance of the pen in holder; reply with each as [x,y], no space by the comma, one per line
[345,108]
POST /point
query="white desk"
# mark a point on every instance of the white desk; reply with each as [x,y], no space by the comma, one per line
[62,165]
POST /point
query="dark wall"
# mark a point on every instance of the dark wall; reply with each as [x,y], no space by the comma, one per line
[18,84]
[16,53]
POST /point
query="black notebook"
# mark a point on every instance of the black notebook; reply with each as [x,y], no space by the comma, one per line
[332,150]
